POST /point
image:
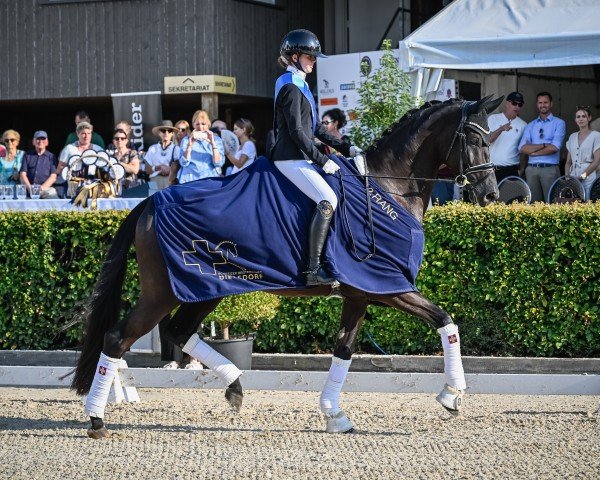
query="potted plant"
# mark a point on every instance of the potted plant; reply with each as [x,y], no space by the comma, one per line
[253,308]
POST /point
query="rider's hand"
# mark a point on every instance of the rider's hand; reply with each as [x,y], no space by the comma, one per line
[330,167]
[354,150]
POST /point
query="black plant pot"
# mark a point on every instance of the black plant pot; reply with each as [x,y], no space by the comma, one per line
[238,350]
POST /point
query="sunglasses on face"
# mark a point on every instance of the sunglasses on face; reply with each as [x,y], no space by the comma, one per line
[183,129]
[327,122]
[11,139]
[120,138]
[516,104]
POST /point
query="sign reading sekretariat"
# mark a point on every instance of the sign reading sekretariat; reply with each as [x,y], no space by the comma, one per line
[200,84]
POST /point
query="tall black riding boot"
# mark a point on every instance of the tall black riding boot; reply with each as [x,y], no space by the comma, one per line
[319,228]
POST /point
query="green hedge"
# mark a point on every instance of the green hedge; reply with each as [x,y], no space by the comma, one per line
[519,280]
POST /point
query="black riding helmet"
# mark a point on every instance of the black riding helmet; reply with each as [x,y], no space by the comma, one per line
[300,41]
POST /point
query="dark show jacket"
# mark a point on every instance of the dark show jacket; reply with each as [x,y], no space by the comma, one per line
[293,126]
[39,167]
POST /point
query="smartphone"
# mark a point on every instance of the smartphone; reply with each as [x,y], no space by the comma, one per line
[199,135]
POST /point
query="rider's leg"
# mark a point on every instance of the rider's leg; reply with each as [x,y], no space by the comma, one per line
[311,183]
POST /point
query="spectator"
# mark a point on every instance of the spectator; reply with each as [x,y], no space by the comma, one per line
[541,141]
[183,129]
[246,153]
[161,155]
[82,116]
[127,157]
[333,120]
[202,151]
[84,142]
[10,163]
[583,146]
[126,127]
[506,130]
[219,125]
[39,167]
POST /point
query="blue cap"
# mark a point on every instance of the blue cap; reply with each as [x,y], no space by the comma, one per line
[40,134]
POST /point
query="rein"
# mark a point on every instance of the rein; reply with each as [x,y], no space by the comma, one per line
[461,179]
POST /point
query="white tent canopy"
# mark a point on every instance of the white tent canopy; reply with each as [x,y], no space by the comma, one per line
[502,34]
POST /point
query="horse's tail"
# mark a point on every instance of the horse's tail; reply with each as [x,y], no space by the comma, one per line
[103,307]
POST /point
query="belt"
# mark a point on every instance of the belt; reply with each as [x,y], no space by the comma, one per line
[543,165]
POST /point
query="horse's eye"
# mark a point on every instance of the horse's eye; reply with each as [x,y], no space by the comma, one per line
[476,141]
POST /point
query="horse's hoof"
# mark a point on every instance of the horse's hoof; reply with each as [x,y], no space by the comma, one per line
[99,433]
[451,399]
[235,395]
[338,423]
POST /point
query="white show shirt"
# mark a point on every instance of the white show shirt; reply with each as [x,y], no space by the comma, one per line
[504,152]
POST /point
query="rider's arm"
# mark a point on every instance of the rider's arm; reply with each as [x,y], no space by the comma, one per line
[291,98]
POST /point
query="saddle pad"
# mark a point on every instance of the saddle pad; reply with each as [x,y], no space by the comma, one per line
[249,231]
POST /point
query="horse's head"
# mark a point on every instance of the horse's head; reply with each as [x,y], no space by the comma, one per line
[471,157]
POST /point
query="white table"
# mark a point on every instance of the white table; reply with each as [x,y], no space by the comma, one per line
[65,204]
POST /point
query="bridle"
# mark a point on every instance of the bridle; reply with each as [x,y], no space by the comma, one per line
[461,179]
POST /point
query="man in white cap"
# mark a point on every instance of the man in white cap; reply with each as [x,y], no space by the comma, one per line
[39,167]
[506,130]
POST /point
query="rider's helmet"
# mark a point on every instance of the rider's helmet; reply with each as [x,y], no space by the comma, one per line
[299,41]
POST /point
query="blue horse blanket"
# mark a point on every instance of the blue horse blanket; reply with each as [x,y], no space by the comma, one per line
[249,231]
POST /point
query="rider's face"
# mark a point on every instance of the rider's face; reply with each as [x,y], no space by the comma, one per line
[307,62]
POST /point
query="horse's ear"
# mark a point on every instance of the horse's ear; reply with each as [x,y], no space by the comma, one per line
[491,105]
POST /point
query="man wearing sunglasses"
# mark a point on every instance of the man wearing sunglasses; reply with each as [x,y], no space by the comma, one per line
[542,141]
[506,130]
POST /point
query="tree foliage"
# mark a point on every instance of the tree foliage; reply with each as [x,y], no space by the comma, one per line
[384,98]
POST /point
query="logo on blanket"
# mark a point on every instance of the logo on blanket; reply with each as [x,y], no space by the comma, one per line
[384,204]
[217,261]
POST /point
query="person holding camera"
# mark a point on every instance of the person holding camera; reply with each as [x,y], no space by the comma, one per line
[202,151]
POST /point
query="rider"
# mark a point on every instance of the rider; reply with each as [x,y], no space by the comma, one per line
[295,125]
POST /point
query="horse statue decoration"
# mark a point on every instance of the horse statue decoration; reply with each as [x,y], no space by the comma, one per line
[405,162]
[92,175]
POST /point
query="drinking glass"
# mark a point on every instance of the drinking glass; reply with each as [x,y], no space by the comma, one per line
[21,192]
[35,192]
[7,192]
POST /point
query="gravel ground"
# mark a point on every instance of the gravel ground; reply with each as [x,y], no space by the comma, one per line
[177,434]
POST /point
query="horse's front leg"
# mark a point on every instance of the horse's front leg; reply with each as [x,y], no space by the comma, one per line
[353,314]
[416,304]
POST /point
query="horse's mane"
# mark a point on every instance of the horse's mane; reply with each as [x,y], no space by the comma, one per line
[411,123]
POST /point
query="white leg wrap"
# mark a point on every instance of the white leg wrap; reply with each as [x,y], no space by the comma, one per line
[330,396]
[453,369]
[200,350]
[103,379]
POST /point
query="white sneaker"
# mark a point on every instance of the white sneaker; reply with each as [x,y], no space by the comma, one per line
[171,365]
[193,365]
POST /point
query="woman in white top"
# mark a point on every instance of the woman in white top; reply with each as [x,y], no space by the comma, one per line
[583,159]
[161,155]
[246,154]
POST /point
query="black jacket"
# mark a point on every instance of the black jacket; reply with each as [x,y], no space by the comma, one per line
[293,129]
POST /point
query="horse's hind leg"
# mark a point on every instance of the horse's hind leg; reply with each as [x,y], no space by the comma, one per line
[181,331]
[416,304]
[353,314]
[143,318]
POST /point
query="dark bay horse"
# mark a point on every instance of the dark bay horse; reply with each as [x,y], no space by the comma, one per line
[404,161]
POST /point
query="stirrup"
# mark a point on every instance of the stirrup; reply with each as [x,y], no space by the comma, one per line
[318,276]
[451,399]
[338,423]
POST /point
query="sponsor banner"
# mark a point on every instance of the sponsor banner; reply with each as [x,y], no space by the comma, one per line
[339,77]
[143,111]
[200,84]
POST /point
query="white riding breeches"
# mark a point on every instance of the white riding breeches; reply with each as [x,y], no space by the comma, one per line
[306,177]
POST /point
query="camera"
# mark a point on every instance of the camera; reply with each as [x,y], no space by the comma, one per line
[199,135]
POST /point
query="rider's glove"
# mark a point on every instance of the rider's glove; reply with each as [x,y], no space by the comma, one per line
[354,150]
[330,167]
